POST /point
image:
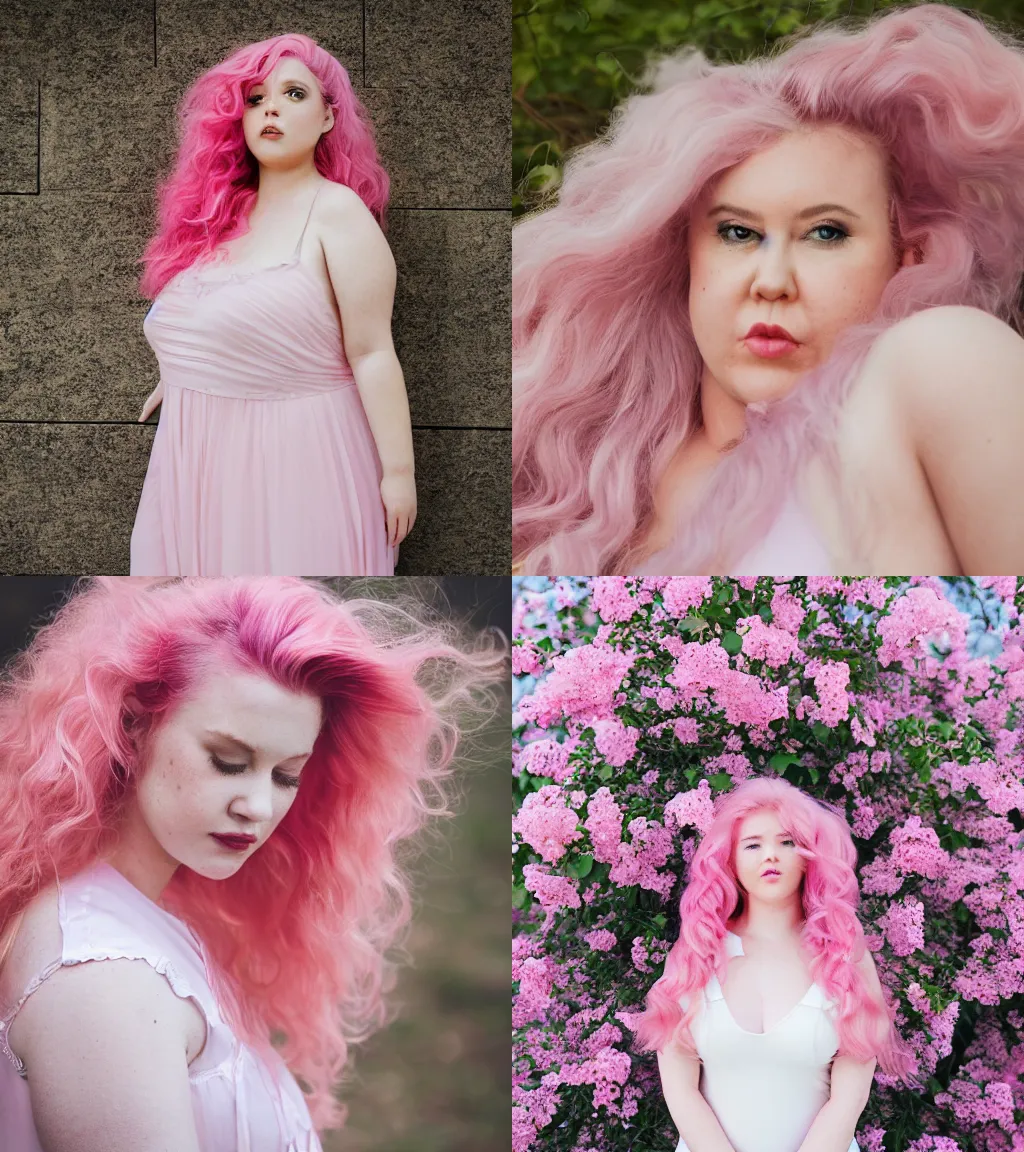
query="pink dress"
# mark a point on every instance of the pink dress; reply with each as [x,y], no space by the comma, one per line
[237,1104]
[263,461]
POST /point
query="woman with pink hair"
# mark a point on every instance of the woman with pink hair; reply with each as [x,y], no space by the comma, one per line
[208,788]
[770,1017]
[284,445]
[773,323]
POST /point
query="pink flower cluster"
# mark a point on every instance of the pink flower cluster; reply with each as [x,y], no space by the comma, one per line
[830,681]
[582,684]
[551,892]
[615,741]
[745,698]
[916,849]
[604,823]
[903,925]
[612,600]
[545,758]
[695,807]
[917,616]
[546,823]
[682,593]
[763,642]
[601,940]
[976,1105]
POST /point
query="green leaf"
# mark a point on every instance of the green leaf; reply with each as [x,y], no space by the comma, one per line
[732,643]
[518,896]
[721,781]
[606,772]
[781,761]
[814,775]
[583,866]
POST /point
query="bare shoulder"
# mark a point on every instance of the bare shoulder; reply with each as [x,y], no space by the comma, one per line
[932,356]
[339,205]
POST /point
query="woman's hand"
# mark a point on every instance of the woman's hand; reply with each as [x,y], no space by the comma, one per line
[398,492]
[152,400]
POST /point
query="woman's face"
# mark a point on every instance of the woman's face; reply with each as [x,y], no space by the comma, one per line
[795,236]
[763,844]
[290,101]
[226,761]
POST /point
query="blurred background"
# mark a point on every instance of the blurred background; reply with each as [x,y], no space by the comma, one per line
[437,1079]
[574,60]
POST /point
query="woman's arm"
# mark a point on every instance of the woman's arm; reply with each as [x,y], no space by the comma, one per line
[960,388]
[107,1062]
[834,1126]
[363,275]
[691,1113]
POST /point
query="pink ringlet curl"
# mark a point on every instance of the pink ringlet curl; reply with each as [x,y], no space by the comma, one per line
[299,936]
[606,370]
[208,195]
[832,933]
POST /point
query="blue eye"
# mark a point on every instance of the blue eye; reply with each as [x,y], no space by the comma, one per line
[841,235]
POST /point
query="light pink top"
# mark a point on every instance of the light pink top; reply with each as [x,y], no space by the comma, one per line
[237,1106]
[792,547]
[765,1088]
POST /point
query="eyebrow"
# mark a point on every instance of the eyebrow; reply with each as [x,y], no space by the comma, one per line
[228,739]
[299,83]
[787,835]
[813,211]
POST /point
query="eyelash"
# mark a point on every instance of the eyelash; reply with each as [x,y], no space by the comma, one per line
[235,769]
[755,844]
[288,92]
[833,243]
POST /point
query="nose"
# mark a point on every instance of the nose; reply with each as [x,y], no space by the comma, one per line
[773,277]
[255,806]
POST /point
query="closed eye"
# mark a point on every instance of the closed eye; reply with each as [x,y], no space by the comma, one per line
[831,242]
[756,844]
[235,769]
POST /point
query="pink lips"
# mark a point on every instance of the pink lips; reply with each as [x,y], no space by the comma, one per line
[770,875]
[769,341]
[271,132]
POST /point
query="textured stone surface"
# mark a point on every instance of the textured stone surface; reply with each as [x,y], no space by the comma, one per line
[19,154]
[464,505]
[72,37]
[71,491]
[71,340]
[69,496]
[444,149]
[452,319]
[193,35]
[460,43]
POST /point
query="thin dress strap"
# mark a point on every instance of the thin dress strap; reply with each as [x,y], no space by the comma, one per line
[309,216]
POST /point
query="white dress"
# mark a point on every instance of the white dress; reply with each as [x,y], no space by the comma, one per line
[765,1088]
[240,1103]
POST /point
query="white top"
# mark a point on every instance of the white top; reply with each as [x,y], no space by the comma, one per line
[765,1088]
[237,1105]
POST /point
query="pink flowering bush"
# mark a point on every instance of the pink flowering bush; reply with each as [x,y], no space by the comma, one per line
[639,700]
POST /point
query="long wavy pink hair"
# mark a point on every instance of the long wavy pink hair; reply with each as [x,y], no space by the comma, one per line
[831,931]
[606,371]
[299,936]
[207,198]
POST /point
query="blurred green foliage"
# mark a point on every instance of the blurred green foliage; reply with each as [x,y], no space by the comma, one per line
[574,60]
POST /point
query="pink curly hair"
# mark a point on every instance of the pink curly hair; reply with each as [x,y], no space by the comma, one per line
[208,196]
[831,930]
[298,936]
[606,371]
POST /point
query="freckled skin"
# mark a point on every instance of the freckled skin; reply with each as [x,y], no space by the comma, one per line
[182,797]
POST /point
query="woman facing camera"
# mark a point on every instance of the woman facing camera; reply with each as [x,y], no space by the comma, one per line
[284,445]
[209,787]
[772,324]
[770,1018]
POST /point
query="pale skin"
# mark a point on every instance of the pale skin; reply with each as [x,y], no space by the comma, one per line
[928,437]
[761,988]
[99,1074]
[345,247]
